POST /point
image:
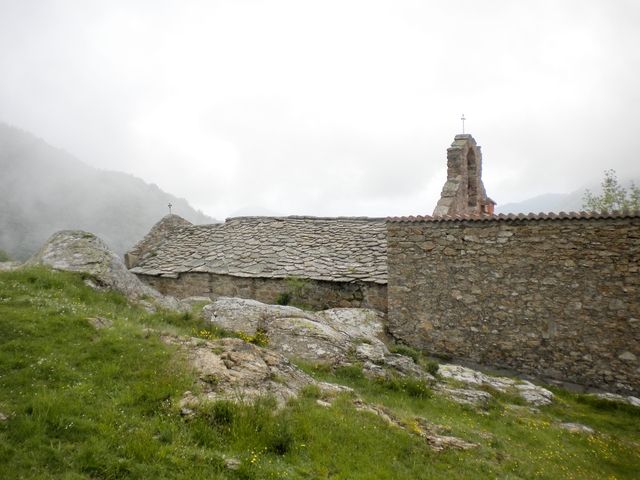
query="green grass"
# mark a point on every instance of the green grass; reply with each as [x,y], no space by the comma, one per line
[102,404]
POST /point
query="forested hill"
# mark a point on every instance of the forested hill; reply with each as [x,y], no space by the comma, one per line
[44,189]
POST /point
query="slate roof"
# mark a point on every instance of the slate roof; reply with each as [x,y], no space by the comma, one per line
[341,249]
[513,217]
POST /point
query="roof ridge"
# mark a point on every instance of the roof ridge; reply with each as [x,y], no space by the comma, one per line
[582,215]
[304,217]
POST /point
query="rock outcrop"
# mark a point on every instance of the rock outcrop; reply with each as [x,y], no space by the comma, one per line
[78,251]
[529,392]
[231,369]
[8,266]
[337,336]
[344,336]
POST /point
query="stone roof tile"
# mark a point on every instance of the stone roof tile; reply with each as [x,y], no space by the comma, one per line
[319,248]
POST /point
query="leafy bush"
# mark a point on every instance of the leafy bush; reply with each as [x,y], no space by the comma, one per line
[407,352]
[283,298]
[297,286]
[432,367]
[4,256]
[295,293]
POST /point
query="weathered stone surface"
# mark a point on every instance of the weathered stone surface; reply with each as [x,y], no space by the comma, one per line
[78,251]
[439,443]
[330,336]
[195,300]
[152,240]
[356,323]
[551,296]
[417,426]
[335,336]
[332,249]
[576,428]
[466,396]
[463,192]
[629,399]
[406,366]
[8,266]
[317,294]
[232,369]
[533,394]
[244,315]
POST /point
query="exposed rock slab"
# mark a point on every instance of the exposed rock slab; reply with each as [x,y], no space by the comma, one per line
[531,393]
[576,428]
[337,336]
[614,397]
[356,323]
[466,396]
[417,426]
[331,336]
[232,369]
[83,252]
[8,266]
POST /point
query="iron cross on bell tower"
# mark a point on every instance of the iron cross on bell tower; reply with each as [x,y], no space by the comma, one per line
[463,119]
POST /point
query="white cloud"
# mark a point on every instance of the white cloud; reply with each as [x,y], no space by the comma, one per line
[334,107]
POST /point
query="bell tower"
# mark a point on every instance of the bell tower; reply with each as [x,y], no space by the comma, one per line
[463,192]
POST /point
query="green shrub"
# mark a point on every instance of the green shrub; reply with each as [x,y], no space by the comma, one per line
[432,367]
[297,286]
[4,256]
[295,293]
[283,298]
[406,351]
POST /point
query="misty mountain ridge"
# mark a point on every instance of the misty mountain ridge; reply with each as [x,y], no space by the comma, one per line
[44,189]
[547,202]
[558,202]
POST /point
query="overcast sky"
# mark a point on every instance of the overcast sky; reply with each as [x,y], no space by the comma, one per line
[328,107]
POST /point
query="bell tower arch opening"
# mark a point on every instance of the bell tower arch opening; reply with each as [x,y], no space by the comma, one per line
[472,178]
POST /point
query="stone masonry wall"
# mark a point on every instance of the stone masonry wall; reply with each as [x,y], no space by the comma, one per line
[557,298]
[318,295]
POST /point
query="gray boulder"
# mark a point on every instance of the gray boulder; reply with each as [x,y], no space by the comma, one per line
[78,251]
[331,336]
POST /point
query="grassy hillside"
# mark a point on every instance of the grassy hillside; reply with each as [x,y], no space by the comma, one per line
[81,403]
[44,189]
